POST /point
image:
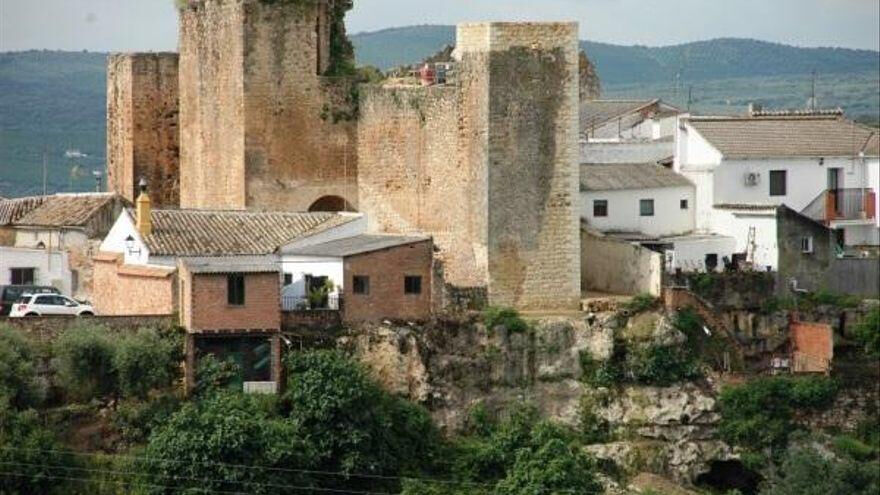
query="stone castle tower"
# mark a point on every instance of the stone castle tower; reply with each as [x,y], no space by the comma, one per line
[487,165]
[142,126]
[262,122]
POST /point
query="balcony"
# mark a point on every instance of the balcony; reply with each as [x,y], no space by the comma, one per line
[332,302]
[842,205]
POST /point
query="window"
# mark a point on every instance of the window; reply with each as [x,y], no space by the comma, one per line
[778,183]
[711,262]
[288,279]
[683,204]
[600,208]
[646,207]
[807,245]
[22,276]
[412,285]
[235,289]
[361,285]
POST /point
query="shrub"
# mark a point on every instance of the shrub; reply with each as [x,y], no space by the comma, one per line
[854,448]
[868,333]
[225,442]
[136,420]
[214,375]
[807,472]
[146,361]
[350,423]
[661,365]
[508,318]
[32,453]
[759,414]
[554,467]
[84,362]
[640,303]
[18,380]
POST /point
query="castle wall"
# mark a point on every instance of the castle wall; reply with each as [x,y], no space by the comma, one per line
[300,134]
[415,176]
[533,226]
[488,166]
[212,105]
[263,130]
[142,125]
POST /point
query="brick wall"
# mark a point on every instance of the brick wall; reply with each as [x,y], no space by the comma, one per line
[261,128]
[121,290]
[207,308]
[387,269]
[142,126]
[812,347]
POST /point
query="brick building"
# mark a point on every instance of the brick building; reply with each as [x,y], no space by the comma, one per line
[377,277]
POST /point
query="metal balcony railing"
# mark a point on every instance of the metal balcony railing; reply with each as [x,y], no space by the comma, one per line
[842,204]
[305,303]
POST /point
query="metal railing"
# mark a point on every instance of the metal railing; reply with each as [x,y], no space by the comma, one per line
[842,204]
[332,302]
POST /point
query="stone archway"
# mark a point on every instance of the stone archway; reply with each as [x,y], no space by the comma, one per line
[330,204]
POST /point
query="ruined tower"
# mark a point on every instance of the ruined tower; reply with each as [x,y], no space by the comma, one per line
[142,126]
[488,165]
[267,122]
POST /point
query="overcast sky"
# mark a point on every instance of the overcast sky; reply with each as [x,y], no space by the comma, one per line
[143,25]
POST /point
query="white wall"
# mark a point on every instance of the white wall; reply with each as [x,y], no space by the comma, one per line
[52,239]
[624,213]
[52,268]
[737,224]
[353,228]
[115,241]
[626,152]
[690,252]
[806,180]
[300,266]
[872,169]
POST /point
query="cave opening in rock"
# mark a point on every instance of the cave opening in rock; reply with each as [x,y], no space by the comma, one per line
[730,475]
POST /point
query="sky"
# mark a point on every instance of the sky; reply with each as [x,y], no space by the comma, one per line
[151,25]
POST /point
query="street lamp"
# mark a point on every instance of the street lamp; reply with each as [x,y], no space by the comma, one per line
[129,245]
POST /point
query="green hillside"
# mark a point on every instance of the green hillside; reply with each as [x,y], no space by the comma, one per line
[51,102]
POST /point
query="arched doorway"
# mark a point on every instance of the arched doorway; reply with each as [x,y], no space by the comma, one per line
[330,204]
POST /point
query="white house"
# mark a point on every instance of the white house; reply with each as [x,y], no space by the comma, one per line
[649,200]
[626,120]
[743,167]
[21,266]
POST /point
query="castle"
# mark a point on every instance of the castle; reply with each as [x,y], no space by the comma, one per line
[254,114]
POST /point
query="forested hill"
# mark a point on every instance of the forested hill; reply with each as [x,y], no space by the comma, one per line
[714,59]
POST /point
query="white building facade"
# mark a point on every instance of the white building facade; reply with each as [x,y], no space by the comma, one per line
[821,166]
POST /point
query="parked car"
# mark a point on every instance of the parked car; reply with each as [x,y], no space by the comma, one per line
[49,305]
[9,294]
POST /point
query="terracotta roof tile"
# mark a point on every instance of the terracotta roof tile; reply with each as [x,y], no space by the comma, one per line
[232,233]
[66,210]
[13,209]
[814,136]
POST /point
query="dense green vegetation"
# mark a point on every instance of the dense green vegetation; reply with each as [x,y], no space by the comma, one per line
[332,430]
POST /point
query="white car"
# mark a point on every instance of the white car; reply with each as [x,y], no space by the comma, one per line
[49,305]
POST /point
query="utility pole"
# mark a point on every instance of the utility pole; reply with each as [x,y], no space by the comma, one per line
[45,171]
[813,93]
[690,96]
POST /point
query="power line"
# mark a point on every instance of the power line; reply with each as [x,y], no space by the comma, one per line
[262,468]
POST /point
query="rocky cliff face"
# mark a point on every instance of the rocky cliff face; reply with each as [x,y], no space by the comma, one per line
[452,367]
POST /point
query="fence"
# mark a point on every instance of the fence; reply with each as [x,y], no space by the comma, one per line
[332,302]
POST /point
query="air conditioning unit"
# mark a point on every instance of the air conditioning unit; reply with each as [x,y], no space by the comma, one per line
[752,179]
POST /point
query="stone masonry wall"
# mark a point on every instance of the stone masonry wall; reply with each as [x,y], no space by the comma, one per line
[131,291]
[488,166]
[212,106]
[533,227]
[142,125]
[414,178]
[262,128]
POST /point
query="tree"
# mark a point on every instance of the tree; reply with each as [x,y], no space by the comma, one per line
[868,333]
[18,380]
[145,361]
[554,467]
[807,472]
[84,362]
[30,458]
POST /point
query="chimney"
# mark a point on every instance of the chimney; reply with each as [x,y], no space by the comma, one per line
[143,211]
